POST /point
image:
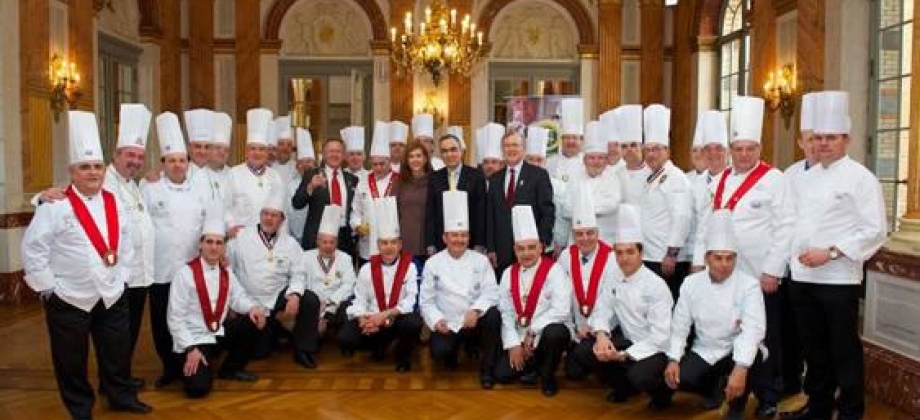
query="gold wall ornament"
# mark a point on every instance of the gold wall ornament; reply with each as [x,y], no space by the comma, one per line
[438,45]
[780,92]
[65,85]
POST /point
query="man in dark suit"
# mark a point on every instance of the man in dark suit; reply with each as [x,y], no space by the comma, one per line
[519,183]
[455,176]
[327,184]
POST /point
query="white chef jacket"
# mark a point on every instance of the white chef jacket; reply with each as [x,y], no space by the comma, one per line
[362,211]
[843,207]
[178,213]
[452,286]
[607,196]
[219,186]
[287,171]
[641,306]
[553,306]
[702,188]
[611,272]
[334,287]
[184,315]
[796,186]
[266,273]
[633,182]
[57,254]
[132,201]
[665,213]
[296,219]
[248,194]
[365,302]
[361,173]
[762,222]
[728,318]
[562,172]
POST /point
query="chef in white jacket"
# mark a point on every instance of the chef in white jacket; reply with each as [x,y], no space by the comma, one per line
[199,126]
[385,296]
[713,138]
[269,265]
[306,160]
[589,264]
[631,326]
[203,293]
[399,133]
[178,205]
[459,295]
[665,203]
[252,180]
[423,132]
[634,177]
[755,194]
[535,146]
[839,226]
[535,302]
[330,273]
[377,183]
[76,255]
[564,166]
[355,156]
[217,174]
[285,160]
[724,306]
[611,135]
[601,182]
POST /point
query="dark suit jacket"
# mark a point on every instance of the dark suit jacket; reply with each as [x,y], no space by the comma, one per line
[533,188]
[473,182]
[317,202]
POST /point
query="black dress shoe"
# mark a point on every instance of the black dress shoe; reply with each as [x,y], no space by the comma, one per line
[487,381]
[549,386]
[805,413]
[529,378]
[240,375]
[617,396]
[716,395]
[346,352]
[659,403]
[164,380]
[450,364]
[378,355]
[137,383]
[136,407]
[734,414]
[765,411]
[402,367]
[304,359]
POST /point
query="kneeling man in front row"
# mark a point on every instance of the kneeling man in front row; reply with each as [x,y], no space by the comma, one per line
[203,293]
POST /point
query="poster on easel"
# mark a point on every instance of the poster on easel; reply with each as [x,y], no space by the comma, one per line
[542,111]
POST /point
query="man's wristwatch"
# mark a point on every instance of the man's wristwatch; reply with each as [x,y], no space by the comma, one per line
[834,253]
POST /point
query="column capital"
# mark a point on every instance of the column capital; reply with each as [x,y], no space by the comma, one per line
[588,51]
[380,47]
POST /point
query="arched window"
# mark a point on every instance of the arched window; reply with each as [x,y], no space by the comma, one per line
[734,52]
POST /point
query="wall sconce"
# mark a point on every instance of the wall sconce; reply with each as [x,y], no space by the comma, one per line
[780,91]
[301,93]
[430,107]
[65,85]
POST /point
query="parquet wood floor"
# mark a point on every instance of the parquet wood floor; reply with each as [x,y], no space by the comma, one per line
[339,389]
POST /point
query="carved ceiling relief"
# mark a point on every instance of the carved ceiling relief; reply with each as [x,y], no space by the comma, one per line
[122,19]
[325,28]
[532,30]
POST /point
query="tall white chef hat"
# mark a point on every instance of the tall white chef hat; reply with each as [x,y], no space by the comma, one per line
[537,138]
[274,200]
[305,144]
[387,217]
[715,130]
[133,126]
[594,142]
[479,138]
[807,123]
[720,236]
[353,134]
[423,125]
[493,133]
[747,118]
[259,127]
[398,132]
[523,224]
[223,128]
[583,212]
[283,129]
[609,130]
[329,224]
[832,112]
[380,140]
[629,225]
[199,123]
[83,136]
[657,124]
[629,123]
[214,224]
[456,131]
[698,131]
[571,112]
[456,212]
[170,134]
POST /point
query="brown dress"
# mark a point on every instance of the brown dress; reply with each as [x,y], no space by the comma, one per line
[411,200]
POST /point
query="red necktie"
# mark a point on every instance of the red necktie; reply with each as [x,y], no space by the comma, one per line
[509,197]
[336,190]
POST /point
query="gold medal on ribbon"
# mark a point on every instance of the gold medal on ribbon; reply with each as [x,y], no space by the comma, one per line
[584,310]
[523,321]
[214,326]
[110,259]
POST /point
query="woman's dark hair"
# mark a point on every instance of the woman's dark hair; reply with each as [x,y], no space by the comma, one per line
[405,174]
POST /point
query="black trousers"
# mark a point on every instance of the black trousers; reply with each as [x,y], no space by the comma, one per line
[645,375]
[162,339]
[69,329]
[579,366]
[405,331]
[305,333]
[486,336]
[793,356]
[698,376]
[681,270]
[828,321]
[769,384]
[554,340]
[238,341]
[137,299]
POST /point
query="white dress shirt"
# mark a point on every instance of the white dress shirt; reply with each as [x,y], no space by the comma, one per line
[641,306]
[844,208]
[554,304]
[365,302]
[728,318]
[452,286]
[328,172]
[665,213]
[248,194]
[184,316]
[762,222]
[362,211]
[610,273]
[264,272]
[58,256]
[606,194]
[178,213]
[336,286]
[633,182]
[131,201]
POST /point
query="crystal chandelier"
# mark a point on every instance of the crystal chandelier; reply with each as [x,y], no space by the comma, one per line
[438,45]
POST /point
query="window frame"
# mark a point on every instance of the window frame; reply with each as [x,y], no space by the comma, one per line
[114,54]
[743,36]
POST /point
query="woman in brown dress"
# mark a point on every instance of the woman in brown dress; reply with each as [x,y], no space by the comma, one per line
[411,193]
